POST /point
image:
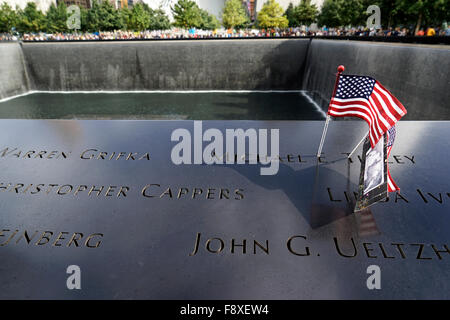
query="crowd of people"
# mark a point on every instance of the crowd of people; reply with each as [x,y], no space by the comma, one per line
[176,33]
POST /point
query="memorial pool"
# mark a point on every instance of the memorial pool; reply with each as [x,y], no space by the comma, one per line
[237,105]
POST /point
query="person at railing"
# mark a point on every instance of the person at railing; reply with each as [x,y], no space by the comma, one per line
[431,32]
[230,33]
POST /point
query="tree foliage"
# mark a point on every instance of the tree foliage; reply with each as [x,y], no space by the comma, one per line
[126,15]
[352,12]
[271,16]
[208,21]
[421,13]
[140,18]
[407,13]
[103,17]
[57,18]
[31,19]
[84,17]
[8,18]
[336,13]
[158,20]
[187,14]
[413,14]
[290,15]
[234,15]
[304,13]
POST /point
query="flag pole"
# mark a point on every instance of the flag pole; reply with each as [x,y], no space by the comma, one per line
[340,69]
[324,132]
[363,138]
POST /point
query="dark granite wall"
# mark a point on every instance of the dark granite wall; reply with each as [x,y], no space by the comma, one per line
[13,76]
[417,75]
[167,65]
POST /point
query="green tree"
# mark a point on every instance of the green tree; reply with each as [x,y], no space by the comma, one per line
[31,19]
[352,12]
[57,18]
[306,13]
[8,18]
[422,12]
[125,14]
[84,19]
[388,11]
[208,21]
[271,16]
[103,17]
[291,16]
[415,14]
[158,20]
[186,14]
[93,17]
[140,18]
[443,11]
[234,15]
[336,13]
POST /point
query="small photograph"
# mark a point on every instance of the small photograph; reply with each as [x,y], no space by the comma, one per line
[374,177]
[374,168]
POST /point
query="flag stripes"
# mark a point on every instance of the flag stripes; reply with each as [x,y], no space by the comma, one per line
[366,98]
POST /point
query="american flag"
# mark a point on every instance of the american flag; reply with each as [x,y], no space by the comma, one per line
[364,97]
[392,186]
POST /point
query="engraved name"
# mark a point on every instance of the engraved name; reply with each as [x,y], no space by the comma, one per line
[98,154]
[299,245]
[9,152]
[149,191]
[299,159]
[87,154]
[66,239]
[90,154]
[157,191]
[64,189]
[404,197]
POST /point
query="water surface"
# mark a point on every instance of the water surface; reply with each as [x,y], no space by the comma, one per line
[153,106]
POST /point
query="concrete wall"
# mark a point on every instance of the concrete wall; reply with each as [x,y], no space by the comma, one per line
[167,65]
[417,75]
[13,76]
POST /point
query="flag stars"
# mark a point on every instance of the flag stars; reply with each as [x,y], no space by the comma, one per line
[354,87]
